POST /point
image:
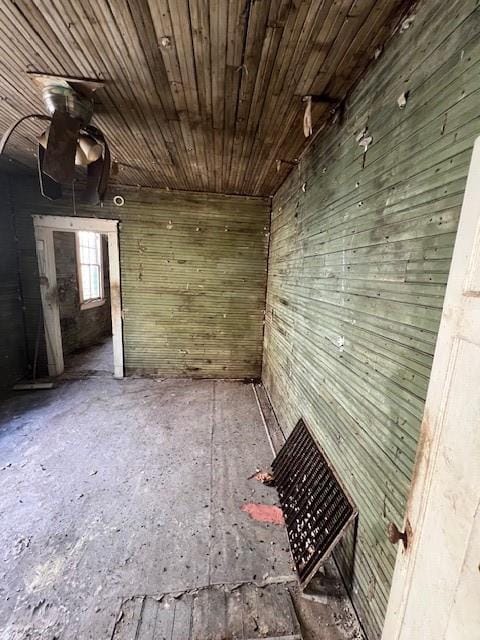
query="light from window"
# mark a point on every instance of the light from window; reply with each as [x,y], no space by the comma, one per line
[90,265]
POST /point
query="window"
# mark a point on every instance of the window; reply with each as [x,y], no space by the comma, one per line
[90,272]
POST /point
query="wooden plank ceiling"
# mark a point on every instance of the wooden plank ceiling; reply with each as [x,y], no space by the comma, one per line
[200,95]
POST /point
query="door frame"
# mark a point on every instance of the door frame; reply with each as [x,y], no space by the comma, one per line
[44,226]
[458,318]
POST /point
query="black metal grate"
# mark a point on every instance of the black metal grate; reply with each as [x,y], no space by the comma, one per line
[315,506]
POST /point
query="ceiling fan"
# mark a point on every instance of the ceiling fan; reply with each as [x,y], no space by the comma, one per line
[69,139]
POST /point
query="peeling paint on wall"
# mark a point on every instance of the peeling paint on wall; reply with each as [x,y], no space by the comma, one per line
[357,273]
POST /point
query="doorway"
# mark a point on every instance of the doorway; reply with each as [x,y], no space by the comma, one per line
[79,270]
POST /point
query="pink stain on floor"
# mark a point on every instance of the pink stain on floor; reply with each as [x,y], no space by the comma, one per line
[264,512]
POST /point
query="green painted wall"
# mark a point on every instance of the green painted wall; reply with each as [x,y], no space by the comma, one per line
[193,277]
[12,342]
[357,272]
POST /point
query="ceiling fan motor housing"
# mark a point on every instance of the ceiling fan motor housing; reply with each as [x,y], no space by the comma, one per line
[69,139]
[66,99]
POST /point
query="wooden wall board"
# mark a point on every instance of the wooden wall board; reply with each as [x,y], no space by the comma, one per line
[198,96]
[193,277]
[360,253]
[12,343]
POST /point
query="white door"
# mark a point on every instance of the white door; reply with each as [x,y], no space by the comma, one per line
[48,292]
[436,585]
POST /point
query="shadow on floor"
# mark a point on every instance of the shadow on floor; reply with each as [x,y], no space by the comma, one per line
[95,360]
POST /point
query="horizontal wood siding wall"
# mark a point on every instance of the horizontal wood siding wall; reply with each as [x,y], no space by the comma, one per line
[193,277]
[193,282]
[12,335]
[359,258]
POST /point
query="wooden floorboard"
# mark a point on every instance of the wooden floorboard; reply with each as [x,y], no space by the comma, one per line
[244,612]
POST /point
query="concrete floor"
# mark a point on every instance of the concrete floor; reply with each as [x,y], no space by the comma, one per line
[116,489]
[94,360]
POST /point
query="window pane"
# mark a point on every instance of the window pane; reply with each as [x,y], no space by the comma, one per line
[83,254]
[90,262]
[86,289]
[86,238]
[94,282]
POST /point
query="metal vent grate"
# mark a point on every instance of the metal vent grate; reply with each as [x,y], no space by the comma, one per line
[315,506]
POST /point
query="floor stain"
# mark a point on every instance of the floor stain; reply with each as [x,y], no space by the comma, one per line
[264,512]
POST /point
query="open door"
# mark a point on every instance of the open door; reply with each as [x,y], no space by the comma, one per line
[436,585]
[44,227]
[48,293]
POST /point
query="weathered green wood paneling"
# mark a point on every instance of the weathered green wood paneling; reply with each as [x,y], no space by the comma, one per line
[359,258]
[12,335]
[193,277]
[193,282]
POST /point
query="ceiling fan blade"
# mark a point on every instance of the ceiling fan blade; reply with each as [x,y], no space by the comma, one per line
[48,187]
[12,128]
[102,189]
[59,161]
[101,181]
[94,175]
